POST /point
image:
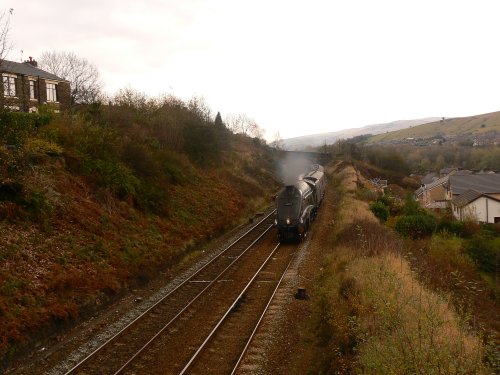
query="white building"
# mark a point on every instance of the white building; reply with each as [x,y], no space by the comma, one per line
[473,205]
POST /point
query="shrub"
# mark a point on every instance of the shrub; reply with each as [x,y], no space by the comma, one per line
[446,251]
[201,143]
[15,127]
[416,226]
[452,226]
[38,206]
[485,251]
[42,147]
[112,174]
[366,194]
[412,207]
[380,210]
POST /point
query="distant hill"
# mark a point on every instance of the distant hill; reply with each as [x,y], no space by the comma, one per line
[314,140]
[483,129]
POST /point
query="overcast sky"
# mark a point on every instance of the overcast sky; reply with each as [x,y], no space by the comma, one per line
[295,67]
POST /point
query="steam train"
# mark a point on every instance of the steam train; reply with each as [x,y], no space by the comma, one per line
[297,205]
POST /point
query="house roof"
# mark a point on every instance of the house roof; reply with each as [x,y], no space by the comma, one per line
[429,177]
[448,170]
[26,69]
[470,196]
[438,182]
[483,183]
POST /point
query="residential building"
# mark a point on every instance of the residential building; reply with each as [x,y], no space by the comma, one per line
[474,205]
[25,87]
[482,183]
[471,196]
[434,194]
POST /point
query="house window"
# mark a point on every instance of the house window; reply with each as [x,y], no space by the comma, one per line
[51,92]
[33,90]
[9,86]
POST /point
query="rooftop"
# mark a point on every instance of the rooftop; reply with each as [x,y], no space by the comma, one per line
[26,68]
[483,183]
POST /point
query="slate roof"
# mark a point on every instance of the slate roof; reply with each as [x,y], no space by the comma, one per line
[429,177]
[448,170]
[439,181]
[461,172]
[468,197]
[27,69]
[483,183]
[465,198]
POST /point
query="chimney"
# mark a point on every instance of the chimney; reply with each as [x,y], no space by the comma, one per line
[32,61]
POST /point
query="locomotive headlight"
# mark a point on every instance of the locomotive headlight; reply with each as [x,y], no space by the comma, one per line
[288,221]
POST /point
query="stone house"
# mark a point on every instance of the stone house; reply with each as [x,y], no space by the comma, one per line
[434,194]
[25,87]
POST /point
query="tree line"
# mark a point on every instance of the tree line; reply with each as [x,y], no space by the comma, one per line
[410,159]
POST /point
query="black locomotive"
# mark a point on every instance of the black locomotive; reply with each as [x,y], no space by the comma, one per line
[297,205]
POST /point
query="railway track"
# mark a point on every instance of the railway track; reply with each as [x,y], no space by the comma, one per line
[223,349]
[168,318]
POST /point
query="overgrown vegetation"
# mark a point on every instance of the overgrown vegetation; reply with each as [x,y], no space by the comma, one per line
[103,197]
[395,304]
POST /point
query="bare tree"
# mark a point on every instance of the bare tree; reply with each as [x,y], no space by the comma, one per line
[256,131]
[5,45]
[277,141]
[243,124]
[128,97]
[83,76]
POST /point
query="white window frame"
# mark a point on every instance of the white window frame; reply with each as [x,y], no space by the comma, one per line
[52,94]
[9,85]
[34,91]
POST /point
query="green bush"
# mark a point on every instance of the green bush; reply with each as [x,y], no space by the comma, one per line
[485,251]
[15,127]
[412,207]
[201,143]
[380,210]
[452,226]
[38,205]
[416,226]
[113,175]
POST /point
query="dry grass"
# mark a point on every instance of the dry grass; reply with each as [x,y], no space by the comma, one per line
[404,328]
[454,126]
[348,179]
[372,315]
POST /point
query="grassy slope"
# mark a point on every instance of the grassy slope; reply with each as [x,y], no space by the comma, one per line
[450,127]
[92,246]
[372,315]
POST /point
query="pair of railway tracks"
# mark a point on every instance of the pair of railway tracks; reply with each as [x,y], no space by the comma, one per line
[206,323]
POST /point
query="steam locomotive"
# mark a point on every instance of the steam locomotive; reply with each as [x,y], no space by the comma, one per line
[297,205]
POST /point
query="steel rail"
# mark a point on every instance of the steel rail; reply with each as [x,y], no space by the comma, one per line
[114,337]
[261,317]
[228,311]
[131,359]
